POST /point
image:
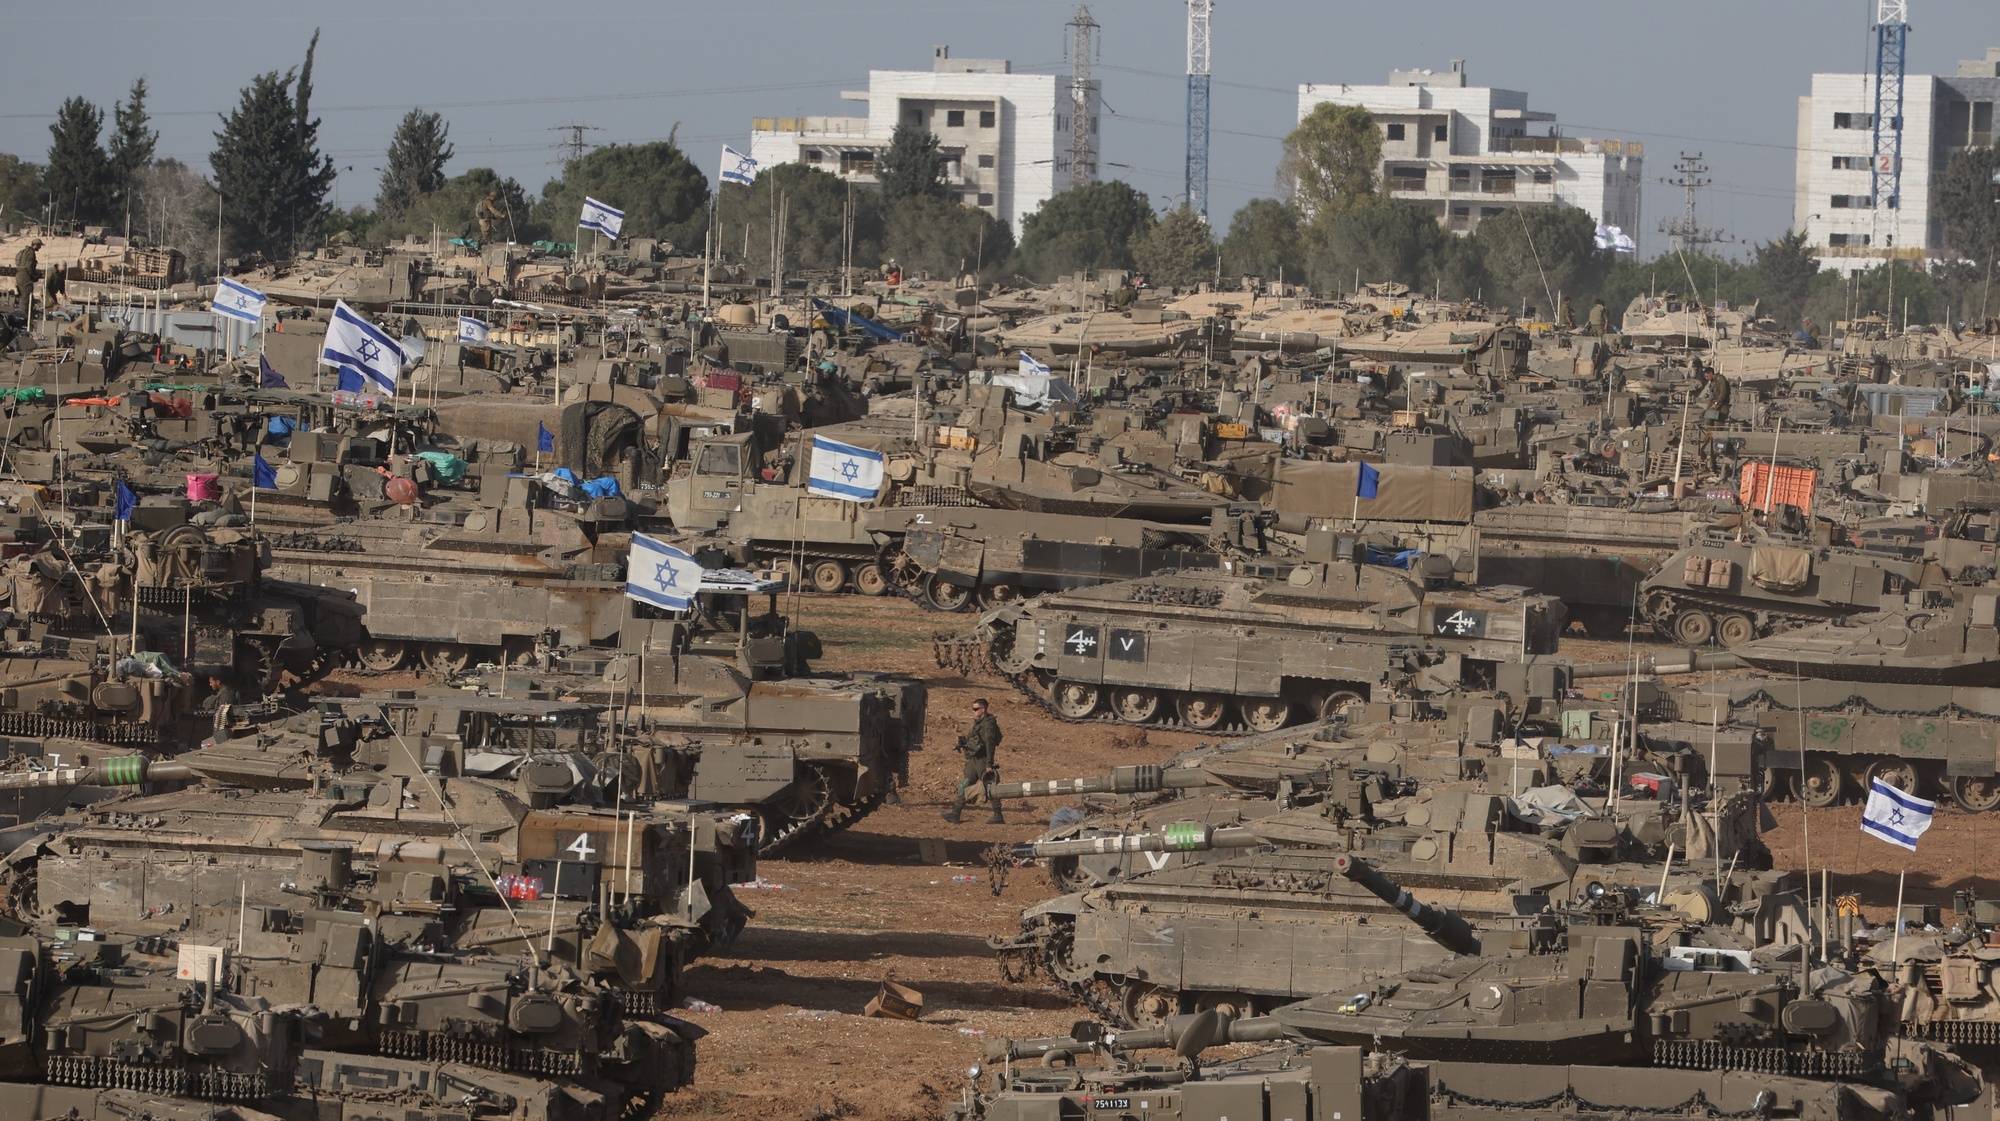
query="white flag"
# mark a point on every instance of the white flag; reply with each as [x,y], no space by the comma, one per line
[1615,239]
[1896,817]
[354,344]
[472,330]
[659,574]
[844,471]
[234,301]
[737,167]
[602,218]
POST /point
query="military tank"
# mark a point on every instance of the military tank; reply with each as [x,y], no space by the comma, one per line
[1933,638]
[1258,647]
[1722,589]
[1173,937]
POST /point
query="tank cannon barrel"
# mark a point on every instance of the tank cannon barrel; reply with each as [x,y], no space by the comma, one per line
[126,770]
[1177,1032]
[1181,836]
[1144,778]
[1443,926]
[1663,662]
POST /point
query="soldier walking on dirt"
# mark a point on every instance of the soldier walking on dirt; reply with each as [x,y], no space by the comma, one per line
[981,747]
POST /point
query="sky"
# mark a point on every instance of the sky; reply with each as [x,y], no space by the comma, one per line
[1698,75]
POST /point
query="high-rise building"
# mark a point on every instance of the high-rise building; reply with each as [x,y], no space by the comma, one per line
[1832,200]
[1469,153]
[1006,137]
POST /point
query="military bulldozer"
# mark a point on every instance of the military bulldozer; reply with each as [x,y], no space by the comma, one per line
[1254,647]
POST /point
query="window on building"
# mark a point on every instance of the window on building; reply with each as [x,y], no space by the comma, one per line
[1854,120]
[1062,123]
[985,198]
[986,118]
[1850,163]
[1438,133]
[913,115]
[809,155]
[1544,175]
[1395,131]
[954,118]
[1406,178]
[1489,212]
[1847,239]
[1460,211]
[986,161]
[1851,202]
[1093,126]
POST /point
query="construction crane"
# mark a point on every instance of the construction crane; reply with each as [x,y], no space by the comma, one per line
[1892,34]
[1198,12]
[1082,49]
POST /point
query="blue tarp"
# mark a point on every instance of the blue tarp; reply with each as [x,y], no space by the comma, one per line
[605,486]
[840,317]
[1402,558]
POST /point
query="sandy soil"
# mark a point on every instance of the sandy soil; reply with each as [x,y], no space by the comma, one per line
[787,1036]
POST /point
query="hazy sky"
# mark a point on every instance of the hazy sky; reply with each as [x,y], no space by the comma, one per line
[1721,78]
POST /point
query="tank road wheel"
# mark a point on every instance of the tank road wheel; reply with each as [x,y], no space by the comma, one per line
[1146,1006]
[1267,714]
[382,655]
[446,658]
[994,595]
[1899,773]
[1822,783]
[1204,711]
[1074,699]
[1136,706]
[1735,629]
[1693,627]
[945,596]
[1976,793]
[829,576]
[807,801]
[870,580]
[1339,702]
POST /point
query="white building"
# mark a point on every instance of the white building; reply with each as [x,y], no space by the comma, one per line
[1470,152]
[1832,185]
[1005,136]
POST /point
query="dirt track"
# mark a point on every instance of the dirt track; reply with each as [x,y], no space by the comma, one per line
[788,1039]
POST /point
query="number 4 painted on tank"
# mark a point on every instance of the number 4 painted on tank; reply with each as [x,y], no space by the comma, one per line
[581,847]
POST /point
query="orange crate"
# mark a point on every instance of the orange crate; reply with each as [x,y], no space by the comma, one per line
[1764,485]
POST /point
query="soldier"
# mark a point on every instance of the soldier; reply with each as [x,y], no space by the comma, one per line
[24,274]
[1599,320]
[981,747]
[489,213]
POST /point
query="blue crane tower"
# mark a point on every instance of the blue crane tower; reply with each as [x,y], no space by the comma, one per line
[1892,35]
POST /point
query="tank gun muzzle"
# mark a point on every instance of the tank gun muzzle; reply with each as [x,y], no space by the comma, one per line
[1443,926]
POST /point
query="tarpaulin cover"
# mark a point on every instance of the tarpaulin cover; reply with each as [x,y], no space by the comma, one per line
[26,394]
[1780,567]
[1549,805]
[841,317]
[605,486]
[1403,493]
[447,467]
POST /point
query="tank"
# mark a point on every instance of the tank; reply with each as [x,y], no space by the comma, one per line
[1254,648]
[1175,937]
[1932,638]
[1593,557]
[1721,589]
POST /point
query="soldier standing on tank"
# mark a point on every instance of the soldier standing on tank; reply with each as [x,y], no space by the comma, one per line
[489,213]
[24,274]
[1599,320]
[980,746]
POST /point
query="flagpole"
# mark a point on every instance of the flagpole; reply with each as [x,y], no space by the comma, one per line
[1896,930]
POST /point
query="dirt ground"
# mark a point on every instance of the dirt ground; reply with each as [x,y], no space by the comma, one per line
[787,1038]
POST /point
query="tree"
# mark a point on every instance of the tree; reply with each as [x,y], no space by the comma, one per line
[912,167]
[1331,157]
[1264,240]
[1375,240]
[1178,252]
[1536,254]
[417,155]
[812,203]
[180,211]
[453,208]
[131,152]
[20,188]
[78,178]
[1968,201]
[1782,277]
[268,166]
[942,238]
[1874,292]
[660,190]
[1089,227]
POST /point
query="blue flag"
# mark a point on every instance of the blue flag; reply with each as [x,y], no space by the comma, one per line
[126,500]
[268,378]
[545,440]
[1367,481]
[263,476]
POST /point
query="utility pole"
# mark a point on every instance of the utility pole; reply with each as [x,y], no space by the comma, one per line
[573,146]
[1198,13]
[1082,98]
[1687,232]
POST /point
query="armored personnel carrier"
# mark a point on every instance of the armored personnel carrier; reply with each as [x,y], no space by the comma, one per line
[1720,589]
[1259,646]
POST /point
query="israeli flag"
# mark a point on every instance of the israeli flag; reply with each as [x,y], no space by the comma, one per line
[234,301]
[472,330]
[844,471]
[1615,239]
[659,574]
[1896,817]
[599,217]
[354,344]
[1031,368]
[737,167]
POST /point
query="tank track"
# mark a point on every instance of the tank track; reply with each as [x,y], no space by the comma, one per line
[1777,621]
[1710,1054]
[1043,955]
[1567,1103]
[1233,729]
[201,1082]
[429,1046]
[835,819]
[1862,704]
